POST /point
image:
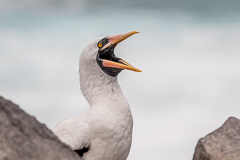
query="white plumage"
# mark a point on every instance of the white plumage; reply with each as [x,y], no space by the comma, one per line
[104,131]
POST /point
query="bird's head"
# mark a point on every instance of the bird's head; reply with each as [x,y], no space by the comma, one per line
[101,51]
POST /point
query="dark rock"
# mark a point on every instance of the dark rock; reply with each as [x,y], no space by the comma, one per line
[22,137]
[222,144]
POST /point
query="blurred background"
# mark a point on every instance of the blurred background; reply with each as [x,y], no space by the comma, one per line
[189,53]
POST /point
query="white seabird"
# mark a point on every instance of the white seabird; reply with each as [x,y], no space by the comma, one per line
[104,131]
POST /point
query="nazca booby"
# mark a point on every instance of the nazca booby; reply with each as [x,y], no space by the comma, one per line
[104,131]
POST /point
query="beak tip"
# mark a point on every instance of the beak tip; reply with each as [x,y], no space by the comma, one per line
[135,32]
[138,70]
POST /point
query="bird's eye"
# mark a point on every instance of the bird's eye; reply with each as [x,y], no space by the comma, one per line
[99,45]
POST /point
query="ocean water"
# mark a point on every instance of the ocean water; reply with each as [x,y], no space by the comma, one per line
[190,61]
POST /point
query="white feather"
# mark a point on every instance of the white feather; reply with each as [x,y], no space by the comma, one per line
[106,127]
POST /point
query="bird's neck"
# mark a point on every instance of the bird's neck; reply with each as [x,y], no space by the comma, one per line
[99,88]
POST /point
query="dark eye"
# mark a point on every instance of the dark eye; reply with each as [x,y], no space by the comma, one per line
[99,45]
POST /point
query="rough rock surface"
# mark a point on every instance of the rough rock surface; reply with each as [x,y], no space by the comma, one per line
[222,144]
[22,137]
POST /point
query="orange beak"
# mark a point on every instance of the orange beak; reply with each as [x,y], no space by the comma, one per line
[114,40]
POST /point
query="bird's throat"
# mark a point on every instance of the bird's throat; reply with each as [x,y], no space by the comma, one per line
[100,88]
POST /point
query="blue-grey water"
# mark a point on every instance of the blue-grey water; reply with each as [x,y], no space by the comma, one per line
[189,53]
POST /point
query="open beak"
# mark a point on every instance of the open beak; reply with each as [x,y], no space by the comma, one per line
[114,40]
